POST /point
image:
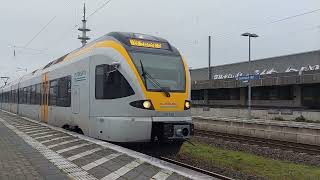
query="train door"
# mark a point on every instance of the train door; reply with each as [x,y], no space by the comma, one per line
[44,98]
[75,100]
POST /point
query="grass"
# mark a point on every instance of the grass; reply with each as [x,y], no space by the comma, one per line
[249,163]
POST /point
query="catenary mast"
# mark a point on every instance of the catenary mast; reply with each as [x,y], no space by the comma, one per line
[84,38]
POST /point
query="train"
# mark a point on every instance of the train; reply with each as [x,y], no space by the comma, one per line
[122,87]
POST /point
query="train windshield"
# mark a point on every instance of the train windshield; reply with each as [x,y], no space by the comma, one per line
[160,72]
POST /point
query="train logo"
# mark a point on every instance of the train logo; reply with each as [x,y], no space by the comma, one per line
[168,105]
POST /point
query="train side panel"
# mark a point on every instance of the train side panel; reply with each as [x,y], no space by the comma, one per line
[29,110]
[76,114]
[112,119]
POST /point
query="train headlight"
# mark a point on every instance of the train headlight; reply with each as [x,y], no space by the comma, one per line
[143,104]
[146,104]
[187,105]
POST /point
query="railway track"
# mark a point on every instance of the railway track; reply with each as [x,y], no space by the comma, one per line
[297,147]
[215,175]
[165,153]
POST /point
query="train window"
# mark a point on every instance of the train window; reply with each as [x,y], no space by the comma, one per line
[53,93]
[33,94]
[17,96]
[7,97]
[38,94]
[25,95]
[28,95]
[12,96]
[111,85]
[64,92]
[20,95]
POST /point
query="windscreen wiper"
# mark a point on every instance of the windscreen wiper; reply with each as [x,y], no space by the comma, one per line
[146,75]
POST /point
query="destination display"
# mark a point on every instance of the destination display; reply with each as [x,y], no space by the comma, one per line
[148,44]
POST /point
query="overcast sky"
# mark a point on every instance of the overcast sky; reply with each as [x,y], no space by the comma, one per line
[184,23]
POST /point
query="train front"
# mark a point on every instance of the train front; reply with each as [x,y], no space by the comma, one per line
[160,79]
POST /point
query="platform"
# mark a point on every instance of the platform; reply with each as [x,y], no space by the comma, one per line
[298,132]
[34,150]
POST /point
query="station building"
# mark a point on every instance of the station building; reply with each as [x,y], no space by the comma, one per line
[287,84]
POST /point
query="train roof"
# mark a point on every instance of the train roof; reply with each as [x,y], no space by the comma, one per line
[121,37]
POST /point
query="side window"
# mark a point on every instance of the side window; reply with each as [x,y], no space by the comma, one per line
[25,95]
[38,94]
[64,92]
[29,95]
[10,96]
[33,94]
[53,93]
[110,84]
[20,95]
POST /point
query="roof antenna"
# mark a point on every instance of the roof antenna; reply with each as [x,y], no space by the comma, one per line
[84,38]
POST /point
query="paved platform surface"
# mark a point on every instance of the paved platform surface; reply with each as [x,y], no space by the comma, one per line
[18,160]
[33,150]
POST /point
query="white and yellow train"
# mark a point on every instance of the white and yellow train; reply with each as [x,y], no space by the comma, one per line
[122,87]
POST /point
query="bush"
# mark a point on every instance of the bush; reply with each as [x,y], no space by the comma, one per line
[278,118]
[300,119]
[303,119]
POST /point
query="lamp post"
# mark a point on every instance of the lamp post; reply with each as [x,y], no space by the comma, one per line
[249,35]
[209,59]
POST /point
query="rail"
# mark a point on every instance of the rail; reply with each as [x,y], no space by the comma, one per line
[215,175]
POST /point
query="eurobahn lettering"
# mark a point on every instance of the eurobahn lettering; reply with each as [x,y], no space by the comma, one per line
[80,76]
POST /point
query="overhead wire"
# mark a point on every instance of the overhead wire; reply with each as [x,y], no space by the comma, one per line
[38,33]
[99,8]
[272,22]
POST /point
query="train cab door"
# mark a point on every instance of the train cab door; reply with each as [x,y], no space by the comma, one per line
[44,98]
